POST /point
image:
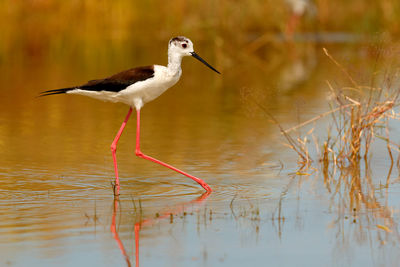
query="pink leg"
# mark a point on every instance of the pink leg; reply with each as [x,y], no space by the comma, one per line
[114,232]
[291,25]
[140,154]
[114,149]
[137,229]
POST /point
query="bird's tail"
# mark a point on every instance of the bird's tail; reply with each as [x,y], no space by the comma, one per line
[56,91]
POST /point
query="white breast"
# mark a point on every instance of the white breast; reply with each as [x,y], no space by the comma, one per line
[142,92]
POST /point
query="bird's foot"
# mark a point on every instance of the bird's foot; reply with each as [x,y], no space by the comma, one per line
[115,188]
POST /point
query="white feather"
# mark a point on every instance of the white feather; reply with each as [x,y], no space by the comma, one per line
[140,92]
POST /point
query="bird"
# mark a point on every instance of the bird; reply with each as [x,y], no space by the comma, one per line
[136,87]
[298,9]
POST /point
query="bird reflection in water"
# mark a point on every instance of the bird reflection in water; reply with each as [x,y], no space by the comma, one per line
[181,208]
[116,236]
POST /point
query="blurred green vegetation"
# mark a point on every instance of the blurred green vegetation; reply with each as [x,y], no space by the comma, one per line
[78,31]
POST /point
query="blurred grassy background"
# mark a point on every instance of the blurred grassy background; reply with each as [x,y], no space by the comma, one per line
[78,31]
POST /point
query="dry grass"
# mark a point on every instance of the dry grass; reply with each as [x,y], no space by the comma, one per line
[359,118]
[359,114]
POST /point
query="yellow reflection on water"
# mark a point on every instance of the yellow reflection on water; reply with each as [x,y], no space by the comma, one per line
[55,160]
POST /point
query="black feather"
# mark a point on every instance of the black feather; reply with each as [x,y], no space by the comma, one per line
[56,91]
[114,83]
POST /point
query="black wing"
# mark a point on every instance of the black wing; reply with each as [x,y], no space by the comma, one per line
[114,83]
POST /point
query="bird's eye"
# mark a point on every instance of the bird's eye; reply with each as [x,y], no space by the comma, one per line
[184,45]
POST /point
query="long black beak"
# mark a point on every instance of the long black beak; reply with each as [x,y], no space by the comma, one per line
[196,56]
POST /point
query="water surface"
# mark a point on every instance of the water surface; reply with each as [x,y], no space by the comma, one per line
[56,200]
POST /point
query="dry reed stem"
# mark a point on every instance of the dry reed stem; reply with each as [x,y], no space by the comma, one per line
[341,68]
[299,147]
[316,118]
[355,122]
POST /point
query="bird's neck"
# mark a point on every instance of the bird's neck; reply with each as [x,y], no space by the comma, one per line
[174,64]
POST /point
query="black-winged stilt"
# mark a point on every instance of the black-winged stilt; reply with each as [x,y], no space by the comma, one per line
[135,87]
[298,9]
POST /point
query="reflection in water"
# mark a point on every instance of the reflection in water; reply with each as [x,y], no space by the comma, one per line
[138,213]
[359,213]
[354,196]
[297,69]
[115,233]
[37,189]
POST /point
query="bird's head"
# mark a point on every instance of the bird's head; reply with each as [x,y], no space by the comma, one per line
[182,46]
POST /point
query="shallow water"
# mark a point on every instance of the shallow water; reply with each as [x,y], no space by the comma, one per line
[56,200]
